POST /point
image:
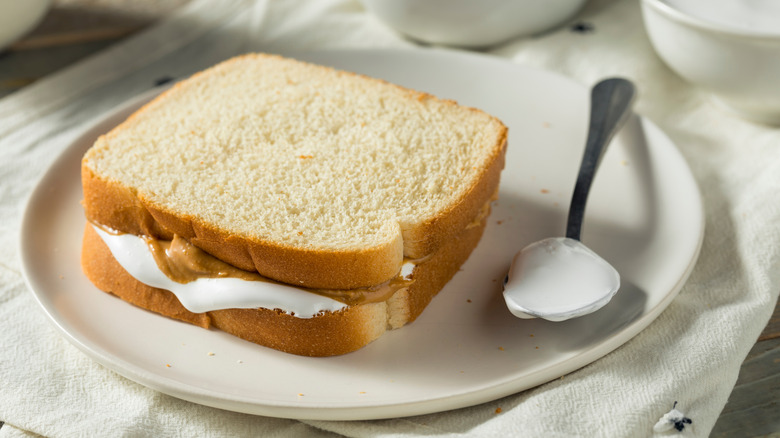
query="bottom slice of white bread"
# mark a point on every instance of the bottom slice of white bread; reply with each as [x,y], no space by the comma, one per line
[328,334]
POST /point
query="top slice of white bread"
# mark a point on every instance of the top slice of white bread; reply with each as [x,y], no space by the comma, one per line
[309,175]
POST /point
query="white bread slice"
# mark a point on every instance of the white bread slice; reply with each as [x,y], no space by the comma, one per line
[328,334]
[306,174]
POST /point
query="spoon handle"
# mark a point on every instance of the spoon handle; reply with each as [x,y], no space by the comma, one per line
[610,106]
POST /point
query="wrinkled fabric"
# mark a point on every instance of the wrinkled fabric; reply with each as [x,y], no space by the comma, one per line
[691,354]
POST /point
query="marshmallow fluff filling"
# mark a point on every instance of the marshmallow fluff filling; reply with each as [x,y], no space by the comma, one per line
[206,294]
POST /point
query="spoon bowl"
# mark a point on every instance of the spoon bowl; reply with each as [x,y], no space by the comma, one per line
[561,278]
[557,267]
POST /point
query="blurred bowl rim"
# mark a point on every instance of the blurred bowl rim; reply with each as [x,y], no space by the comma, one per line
[690,20]
[43,7]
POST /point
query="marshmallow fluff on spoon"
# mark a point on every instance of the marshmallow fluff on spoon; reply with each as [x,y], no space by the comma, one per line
[560,278]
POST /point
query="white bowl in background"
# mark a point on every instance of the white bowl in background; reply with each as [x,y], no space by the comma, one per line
[17,17]
[728,47]
[472,23]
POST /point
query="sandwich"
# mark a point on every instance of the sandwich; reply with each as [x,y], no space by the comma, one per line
[293,205]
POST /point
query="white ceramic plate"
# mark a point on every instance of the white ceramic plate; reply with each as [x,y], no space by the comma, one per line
[644,216]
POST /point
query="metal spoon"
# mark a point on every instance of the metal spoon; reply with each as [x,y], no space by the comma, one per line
[560,278]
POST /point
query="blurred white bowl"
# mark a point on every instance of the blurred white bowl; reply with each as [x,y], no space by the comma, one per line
[472,23]
[17,17]
[728,47]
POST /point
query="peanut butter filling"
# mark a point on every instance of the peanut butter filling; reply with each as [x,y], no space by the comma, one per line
[183,262]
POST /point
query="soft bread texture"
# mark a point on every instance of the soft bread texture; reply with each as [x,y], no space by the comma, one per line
[329,334]
[308,175]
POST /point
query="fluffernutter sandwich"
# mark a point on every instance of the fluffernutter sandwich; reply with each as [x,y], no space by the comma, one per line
[296,206]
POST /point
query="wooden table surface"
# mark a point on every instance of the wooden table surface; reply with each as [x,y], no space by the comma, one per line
[74,29]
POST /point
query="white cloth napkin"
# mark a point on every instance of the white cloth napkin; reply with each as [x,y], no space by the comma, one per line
[691,354]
